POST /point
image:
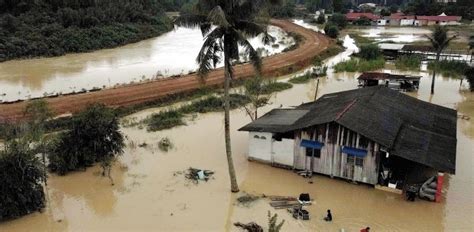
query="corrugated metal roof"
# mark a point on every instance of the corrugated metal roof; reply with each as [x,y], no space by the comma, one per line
[385,116]
[391,46]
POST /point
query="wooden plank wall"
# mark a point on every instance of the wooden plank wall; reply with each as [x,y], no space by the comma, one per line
[332,161]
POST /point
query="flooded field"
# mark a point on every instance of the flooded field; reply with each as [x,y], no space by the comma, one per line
[394,34]
[170,54]
[151,194]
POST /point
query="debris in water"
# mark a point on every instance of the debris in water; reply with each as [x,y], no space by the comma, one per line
[144,144]
[250,227]
[247,199]
[165,144]
[195,174]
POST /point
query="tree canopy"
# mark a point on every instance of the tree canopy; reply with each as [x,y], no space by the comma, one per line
[31,28]
[21,175]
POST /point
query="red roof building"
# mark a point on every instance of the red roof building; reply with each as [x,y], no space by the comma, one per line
[356,16]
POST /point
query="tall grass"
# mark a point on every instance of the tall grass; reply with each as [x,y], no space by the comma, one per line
[359,65]
[408,62]
[449,68]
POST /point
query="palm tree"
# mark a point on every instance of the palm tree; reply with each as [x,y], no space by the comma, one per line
[226,26]
[439,41]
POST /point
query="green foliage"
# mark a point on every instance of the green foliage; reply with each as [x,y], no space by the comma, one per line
[313,5]
[165,120]
[369,52]
[321,19]
[339,20]
[297,38]
[463,8]
[93,136]
[408,62]
[175,117]
[301,79]
[449,68]
[273,86]
[285,10]
[52,28]
[470,78]
[38,113]
[363,21]
[359,65]
[331,30]
[360,40]
[273,225]
[21,177]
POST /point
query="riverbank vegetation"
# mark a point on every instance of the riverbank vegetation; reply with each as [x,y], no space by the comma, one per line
[93,137]
[408,62]
[359,65]
[449,68]
[21,178]
[52,28]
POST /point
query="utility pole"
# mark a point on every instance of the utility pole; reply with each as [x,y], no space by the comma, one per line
[316,92]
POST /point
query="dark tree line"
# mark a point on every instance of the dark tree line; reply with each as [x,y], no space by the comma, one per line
[30,28]
[464,8]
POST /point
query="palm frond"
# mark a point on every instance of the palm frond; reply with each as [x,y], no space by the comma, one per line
[209,55]
[249,50]
[250,29]
[218,17]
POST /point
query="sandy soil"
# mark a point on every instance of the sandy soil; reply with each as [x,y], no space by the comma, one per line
[276,65]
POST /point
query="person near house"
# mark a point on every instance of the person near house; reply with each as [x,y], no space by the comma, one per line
[366,229]
[328,217]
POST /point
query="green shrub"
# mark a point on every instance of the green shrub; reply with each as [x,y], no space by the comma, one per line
[21,177]
[331,30]
[274,86]
[321,19]
[301,79]
[339,20]
[93,136]
[165,120]
[359,65]
[369,52]
[408,62]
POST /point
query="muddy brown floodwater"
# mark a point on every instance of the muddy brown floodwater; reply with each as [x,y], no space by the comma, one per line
[150,196]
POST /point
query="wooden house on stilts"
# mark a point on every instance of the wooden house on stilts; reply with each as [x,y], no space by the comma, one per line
[372,135]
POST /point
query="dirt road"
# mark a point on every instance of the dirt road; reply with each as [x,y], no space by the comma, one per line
[129,95]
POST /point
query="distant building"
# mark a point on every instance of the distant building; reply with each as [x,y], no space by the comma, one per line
[373,135]
[441,19]
[351,17]
[403,83]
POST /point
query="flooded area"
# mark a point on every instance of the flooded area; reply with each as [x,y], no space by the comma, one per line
[394,34]
[173,53]
[150,193]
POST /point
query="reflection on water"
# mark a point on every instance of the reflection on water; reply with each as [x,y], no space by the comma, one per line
[170,54]
[395,34]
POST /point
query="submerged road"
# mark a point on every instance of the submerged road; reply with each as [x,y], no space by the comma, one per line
[129,95]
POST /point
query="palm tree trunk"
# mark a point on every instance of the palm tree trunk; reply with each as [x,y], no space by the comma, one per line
[233,179]
[434,73]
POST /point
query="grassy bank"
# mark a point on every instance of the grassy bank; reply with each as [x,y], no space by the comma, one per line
[175,117]
[360,40]
[408,62]
[359,65]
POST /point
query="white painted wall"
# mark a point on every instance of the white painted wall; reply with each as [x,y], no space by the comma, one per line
[381,22]
[283,152]
[406,22]
[260,146]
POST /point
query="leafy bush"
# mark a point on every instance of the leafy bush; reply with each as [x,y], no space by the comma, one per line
[359,65]
[93,136]
[331,30]
[369,52]
[408,62]
[339,20]
[321,19]
[450,68]
[165,120]
[172,118]
[21,177]
[363,21]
